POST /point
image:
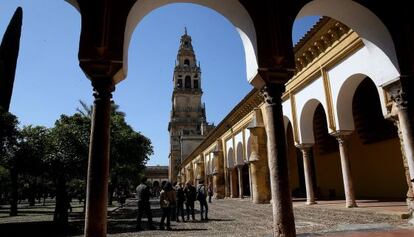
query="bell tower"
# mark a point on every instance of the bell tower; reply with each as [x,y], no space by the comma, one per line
[188,126]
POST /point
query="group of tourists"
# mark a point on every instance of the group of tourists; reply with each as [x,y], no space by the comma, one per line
[173,198]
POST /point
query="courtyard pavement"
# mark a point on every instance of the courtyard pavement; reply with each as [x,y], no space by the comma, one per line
[230,217]
[236,217]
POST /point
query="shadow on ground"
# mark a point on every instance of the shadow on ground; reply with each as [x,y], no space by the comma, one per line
[122,220]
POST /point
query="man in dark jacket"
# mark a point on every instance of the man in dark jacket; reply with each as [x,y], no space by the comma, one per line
[144,206]
[190,197]
[179,191]
[202,198]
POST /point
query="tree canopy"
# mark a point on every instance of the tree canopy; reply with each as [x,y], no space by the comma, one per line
[59,156]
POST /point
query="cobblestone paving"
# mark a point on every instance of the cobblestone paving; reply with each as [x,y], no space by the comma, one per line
[243,218]
[232,217]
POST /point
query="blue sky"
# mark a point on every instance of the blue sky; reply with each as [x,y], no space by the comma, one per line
[49,81]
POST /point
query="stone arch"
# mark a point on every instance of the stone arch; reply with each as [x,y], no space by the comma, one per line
[230,158]
[363,21]
[295,164]
[250,141]
[344,102]
[286,122]
[239,154]
[306,121]
[212,164]
[231,10]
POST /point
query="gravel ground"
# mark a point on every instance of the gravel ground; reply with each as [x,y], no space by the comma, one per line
[233,217]
[243,218]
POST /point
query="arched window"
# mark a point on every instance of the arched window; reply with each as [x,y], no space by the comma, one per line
[180,83]
[186,62]
[195,84]
[187,82]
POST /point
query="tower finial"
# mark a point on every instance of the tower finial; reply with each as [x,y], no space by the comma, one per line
[185,30]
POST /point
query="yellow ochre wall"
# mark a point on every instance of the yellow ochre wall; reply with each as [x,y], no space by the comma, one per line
[377,169]
[292,161]
[328,175]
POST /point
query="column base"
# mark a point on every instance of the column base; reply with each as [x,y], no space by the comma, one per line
[311,203]
[351,205]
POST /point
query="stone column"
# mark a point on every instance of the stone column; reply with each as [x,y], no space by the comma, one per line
[400,99]
[258,160]
[231,188]
[201,175]
[240,177]
[283,218]
[307,169]
[98,163]
[342,137]
[218,173]
[410,197]
[234,179]
[226,183]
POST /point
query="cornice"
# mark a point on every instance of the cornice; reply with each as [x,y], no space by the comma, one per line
[322,36]
[246,105]
[340,49]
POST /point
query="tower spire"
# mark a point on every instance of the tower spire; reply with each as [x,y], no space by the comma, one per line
[185,30]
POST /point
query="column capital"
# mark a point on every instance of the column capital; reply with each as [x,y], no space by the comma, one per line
[342,135]
[304,146]
[217,153]
[272,93]
[398,95]
[103,88]
[200,162]
[254,157]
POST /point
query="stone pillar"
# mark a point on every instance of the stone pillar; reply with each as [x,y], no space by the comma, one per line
[172,168]
[283,218]
[233,184]
[218,173]
[183,178]
[258,160]
[342,137]
[190,174]
[410,196]
[200,170]
[240,177]
[98,162]
[227,181]
[400,99]
[307,169]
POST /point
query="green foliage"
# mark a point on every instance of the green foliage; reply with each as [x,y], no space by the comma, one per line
[36,161]
[68,141]
[33,144]
[130,151]
[9,135]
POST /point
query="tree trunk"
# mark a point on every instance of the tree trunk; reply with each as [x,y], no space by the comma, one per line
[32,193]
[14,193]
[111,194]
[62,203]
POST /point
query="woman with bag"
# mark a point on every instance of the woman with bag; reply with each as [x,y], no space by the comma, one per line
[167,197]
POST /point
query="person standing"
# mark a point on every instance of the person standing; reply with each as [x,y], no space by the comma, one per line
[179,191]
[173,205]
[143,195]
[167,196]
[190,197]
[202,198]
